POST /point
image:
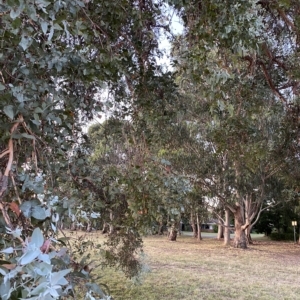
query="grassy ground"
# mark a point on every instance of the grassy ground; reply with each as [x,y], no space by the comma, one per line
[188,269]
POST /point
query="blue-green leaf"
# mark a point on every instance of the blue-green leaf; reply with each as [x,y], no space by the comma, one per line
[37,238]
[29,256]
[39,213]
[8,250]
[58,277]
[28,136]
[9,111]
[26,208]
[25,42]
[44,26]
[15,13]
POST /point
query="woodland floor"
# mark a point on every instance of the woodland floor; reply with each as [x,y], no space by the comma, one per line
[188,269]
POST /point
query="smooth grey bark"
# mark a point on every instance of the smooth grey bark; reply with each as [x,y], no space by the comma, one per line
[227,227]
[194,227]
[199,237]
[220,234]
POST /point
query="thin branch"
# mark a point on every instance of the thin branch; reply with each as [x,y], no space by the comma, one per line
[4,178]
[220,218]
[220,197]
[271,84]
[11,151]
[258,215]
[233,210]
[273,171]
[263,209]
[67,239]
[10,158]
[221,224]
[5,215]
[2,77]
[15,187]
[280,63]
[33,134]
[286,19]
[34,157]
[4,153]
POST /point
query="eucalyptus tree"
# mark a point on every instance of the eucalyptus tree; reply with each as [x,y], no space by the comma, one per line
[131,167]
[241,58]
[196,208]
[56,61]
[238,153]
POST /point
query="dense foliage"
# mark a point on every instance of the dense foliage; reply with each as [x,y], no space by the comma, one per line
[218,133]
[58,62]
[237,66]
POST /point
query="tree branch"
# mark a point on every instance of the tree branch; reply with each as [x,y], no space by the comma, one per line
[286,19]
[233,210]
[15,187]
[5,215]
[4,153]
[271,84]
[245,226]
[4,178]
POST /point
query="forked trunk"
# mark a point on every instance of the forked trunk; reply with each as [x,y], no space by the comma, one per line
[240,235]
[227,228]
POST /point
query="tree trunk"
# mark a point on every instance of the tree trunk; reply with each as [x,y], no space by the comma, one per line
[179,228]
[111,226]
[248,235]
[227,227]
[111,229]
[89,226]
[193,225]
[173,233]
[240,236]
[220,230]
[73,226]
[160,228]
[105,228]
[248,210]
[199,237]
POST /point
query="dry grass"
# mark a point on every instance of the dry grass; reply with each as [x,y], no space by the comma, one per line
[188,269]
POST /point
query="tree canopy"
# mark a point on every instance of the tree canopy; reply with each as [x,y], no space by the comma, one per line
[62,63]
[218,130]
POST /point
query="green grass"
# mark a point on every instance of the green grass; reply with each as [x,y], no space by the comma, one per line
[188,269]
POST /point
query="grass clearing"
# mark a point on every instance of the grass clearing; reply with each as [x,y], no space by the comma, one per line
[188,269]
